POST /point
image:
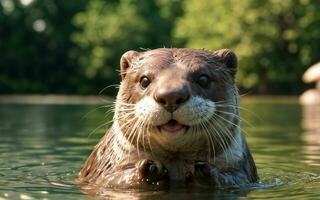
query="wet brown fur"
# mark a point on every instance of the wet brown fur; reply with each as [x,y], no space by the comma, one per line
[222,67]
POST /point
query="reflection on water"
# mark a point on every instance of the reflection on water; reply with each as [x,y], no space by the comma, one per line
[178,193]
[42,148]
[311,134]
[311,117]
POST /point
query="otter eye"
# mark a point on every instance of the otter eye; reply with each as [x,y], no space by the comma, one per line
[144,82]
[203,81]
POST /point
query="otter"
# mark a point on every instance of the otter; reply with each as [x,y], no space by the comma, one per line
[176,119]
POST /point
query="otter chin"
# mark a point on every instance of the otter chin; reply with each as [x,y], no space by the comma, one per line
[177,118]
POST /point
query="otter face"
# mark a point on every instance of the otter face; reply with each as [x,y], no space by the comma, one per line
[175,96]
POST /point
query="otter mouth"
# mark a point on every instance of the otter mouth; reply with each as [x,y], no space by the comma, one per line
[172,126]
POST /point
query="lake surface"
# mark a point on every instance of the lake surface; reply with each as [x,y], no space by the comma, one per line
[42,148]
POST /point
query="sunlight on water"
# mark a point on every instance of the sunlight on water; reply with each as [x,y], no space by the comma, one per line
[43,147]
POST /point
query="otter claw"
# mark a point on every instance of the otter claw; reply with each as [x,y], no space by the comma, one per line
[152,171]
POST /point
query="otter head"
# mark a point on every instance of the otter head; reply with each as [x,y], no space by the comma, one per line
[177,99]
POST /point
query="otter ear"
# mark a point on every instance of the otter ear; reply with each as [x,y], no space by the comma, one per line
[229,59]
[126,62]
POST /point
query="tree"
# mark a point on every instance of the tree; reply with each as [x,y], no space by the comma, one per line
[110,28]
[35,46]
[274,40]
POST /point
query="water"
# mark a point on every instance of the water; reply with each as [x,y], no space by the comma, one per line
[42,148]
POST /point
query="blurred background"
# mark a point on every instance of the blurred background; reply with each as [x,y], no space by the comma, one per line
[74,47]
[71,48]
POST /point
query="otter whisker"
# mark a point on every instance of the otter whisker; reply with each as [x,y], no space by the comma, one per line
[146,130]
[124,105]
[109,86]
[138,135]
[230,113]
[126,120]
[229,103]
[131,133]
[149,142]
[211,144]
[224,101]
[236,116]
[221,140]
[228,134]
[126,109]
[104,124]
[141,134]
[94,109]
[230,106]
[121,102]
[210,141]
[125,125]
[230,122]
[239,107]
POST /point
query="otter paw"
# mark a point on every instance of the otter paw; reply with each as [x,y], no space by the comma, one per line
[152,171]
[204,174]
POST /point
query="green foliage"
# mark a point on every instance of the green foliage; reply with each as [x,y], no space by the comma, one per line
[275,40]
[110,28]
[35,46]
[54,46]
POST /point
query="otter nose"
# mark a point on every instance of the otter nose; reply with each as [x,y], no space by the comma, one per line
[172,98]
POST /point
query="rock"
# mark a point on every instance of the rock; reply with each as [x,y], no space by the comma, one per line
[310,97]
[312,74]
